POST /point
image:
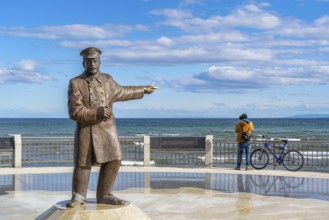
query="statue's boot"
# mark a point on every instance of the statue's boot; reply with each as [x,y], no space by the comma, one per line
[80,180]
[76,200]
[106,180]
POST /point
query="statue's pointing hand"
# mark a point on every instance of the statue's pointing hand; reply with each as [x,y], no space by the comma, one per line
[150,89]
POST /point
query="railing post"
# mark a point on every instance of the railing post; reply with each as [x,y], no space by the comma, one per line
[17,150]
[209,150]
[147,150]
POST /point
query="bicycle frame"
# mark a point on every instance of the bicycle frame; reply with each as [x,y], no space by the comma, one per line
[270,148]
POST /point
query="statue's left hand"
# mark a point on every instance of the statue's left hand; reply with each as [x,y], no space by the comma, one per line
[150,89]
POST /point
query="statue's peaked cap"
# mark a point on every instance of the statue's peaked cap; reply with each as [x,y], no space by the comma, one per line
[91,52]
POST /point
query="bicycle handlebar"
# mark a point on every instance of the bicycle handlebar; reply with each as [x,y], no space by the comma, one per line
[267,138]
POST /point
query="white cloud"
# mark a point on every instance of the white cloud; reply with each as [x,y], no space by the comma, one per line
[161,55]
[173,13]
[229,73]
[319,29]
[27,65]
[97,43]
[78,31]
[210,38]
[22,72]
[251,16]
[322,21]
[236,79]
[165,41]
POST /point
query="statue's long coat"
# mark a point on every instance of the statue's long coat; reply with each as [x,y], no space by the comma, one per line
[85,95]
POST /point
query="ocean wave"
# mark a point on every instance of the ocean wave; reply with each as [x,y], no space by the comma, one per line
[155,134]
[317,153]
[140,144]
[170,134]
[135,163]
[140,135]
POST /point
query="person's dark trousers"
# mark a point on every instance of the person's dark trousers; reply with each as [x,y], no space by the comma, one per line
[244,146]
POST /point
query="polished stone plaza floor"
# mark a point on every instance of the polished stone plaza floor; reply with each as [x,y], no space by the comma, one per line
[177,193]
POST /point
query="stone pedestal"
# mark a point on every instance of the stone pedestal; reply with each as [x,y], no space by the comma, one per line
[92,210]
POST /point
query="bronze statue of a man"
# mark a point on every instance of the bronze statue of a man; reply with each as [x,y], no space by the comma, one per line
[90,99]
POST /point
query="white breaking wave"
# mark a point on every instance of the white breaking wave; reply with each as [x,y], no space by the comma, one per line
[135,163]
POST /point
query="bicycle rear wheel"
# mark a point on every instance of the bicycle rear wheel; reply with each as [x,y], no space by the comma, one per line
[293,160]
[259,159]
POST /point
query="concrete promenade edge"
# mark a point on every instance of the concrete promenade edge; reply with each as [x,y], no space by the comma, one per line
[40,170]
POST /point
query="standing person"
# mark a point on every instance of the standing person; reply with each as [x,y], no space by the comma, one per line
[90,99]
[245,125]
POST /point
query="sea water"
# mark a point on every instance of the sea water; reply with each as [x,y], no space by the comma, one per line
[221,128]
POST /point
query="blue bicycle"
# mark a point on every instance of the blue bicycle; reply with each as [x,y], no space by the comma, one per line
[292,160]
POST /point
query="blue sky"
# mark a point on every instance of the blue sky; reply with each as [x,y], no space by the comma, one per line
[210,58]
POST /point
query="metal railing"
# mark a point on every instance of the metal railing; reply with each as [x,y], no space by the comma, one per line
[178,158]
[61,149]
[47,149]
[6,159]
[56,151]
[6,151]
[132,148]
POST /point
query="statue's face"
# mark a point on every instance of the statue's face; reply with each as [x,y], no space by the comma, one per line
[92,65]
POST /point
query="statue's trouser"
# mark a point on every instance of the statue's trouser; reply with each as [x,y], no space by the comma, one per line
[107,175]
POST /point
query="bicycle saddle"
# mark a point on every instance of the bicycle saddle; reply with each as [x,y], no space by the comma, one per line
[285,141]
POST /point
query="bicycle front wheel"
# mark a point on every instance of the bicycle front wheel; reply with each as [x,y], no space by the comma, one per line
[259,159]
[293,160]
